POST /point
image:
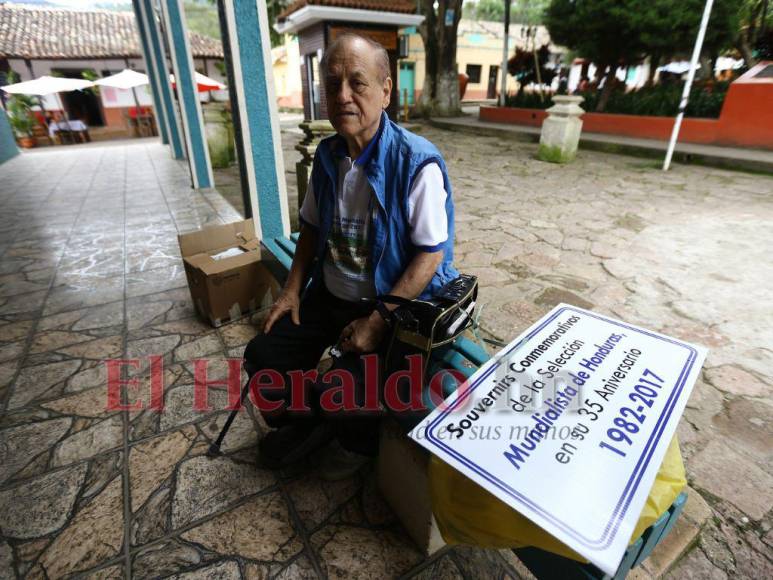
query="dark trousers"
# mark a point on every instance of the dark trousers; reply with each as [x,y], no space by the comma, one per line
[290,347]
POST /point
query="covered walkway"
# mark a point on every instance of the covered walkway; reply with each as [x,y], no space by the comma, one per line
[90,270]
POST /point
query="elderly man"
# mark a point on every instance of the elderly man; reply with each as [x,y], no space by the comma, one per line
[377,219]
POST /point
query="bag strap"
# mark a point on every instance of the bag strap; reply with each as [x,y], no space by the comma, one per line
[392,299]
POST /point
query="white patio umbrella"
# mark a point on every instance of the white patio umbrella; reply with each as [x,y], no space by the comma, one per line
[126,79]
[677,68]
[203,83]
[47,85]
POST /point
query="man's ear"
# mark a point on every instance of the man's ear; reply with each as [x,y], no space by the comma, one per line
[387,92]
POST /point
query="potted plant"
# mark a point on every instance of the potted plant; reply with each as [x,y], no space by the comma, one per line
[21,119]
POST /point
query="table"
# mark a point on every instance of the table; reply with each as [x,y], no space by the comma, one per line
[71,128]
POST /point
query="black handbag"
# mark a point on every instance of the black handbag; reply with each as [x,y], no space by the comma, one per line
[420,326]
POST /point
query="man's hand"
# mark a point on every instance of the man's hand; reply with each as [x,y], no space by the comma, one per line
[288,301]
[364,334]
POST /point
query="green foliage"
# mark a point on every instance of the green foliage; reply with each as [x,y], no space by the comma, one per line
[275,7]
[489,10]
[554,154]
[202,18]
[529,11]
[661,100]
[626,31]
[20,114]
[529,100]
[521,11]
[91,75]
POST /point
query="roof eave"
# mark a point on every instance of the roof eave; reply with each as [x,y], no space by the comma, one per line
[311,15]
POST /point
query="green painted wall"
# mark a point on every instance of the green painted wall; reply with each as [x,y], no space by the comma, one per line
[8,148]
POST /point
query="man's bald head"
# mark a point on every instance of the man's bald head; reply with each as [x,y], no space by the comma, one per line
[358,87]
[349,41]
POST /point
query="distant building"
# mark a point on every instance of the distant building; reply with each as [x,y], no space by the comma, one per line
[478,55]
[286,61]
[36,41]
[317,23]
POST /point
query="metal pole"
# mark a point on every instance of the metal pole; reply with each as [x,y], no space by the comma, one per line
[505,52]
[136,104]
[688,84]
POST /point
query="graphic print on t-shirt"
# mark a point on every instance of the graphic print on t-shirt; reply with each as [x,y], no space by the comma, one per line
[348,246]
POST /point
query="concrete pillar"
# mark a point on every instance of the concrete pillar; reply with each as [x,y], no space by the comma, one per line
[157,67]
[158,106]
[8,148]
[560,134]
[176,31]
[247,47]
[315,132]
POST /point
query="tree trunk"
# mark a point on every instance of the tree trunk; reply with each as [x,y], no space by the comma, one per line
[427,31]
[705,72]
[654,63]
[745,49]
[609,86]
[440,92]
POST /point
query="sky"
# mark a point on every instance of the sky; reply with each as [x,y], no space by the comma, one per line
[78,4]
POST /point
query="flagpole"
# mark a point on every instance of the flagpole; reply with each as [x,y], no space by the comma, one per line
[688,84]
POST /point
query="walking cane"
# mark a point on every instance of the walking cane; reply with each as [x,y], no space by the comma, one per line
[214,448]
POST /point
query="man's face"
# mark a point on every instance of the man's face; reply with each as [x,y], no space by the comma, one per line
[356,93]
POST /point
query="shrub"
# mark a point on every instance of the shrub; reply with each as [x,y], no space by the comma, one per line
[20,114]
[660,100]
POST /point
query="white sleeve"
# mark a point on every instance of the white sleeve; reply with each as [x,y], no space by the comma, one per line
[309,213]
[427,209]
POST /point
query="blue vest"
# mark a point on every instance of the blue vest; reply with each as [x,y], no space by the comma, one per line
[392,160]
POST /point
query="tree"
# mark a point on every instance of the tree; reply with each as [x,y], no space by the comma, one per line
[603,31]
[440,93]
[275,8]
[522,65]
[489,10]
[754,32]
[615,33]
[528,11]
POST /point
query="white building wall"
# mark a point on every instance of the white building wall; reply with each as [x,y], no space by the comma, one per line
[111,98]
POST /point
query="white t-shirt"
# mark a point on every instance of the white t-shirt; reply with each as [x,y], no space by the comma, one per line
[348,266]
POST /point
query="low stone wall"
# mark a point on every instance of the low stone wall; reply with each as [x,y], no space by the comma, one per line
[746,119]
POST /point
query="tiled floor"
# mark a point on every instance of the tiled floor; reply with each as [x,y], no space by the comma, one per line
[90,270]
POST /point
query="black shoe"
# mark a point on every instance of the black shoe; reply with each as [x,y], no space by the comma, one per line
[290,444]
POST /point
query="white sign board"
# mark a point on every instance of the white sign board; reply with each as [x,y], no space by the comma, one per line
[569,424]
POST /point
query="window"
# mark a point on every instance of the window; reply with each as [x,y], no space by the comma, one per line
[312,72]
[403,48]
[473,71]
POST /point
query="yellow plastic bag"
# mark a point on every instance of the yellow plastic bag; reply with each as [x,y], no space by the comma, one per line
[468,514]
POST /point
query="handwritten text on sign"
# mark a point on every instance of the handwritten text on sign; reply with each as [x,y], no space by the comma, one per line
[569,423]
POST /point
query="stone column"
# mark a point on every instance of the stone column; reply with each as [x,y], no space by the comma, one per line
[187,94]
[561,130]
[247,47]
[315,132]
[158,70]
[147,55]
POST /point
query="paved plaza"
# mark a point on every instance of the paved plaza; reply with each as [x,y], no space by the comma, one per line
[90,269]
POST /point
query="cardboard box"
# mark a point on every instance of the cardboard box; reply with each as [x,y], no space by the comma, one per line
[403,479]
[225,273]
